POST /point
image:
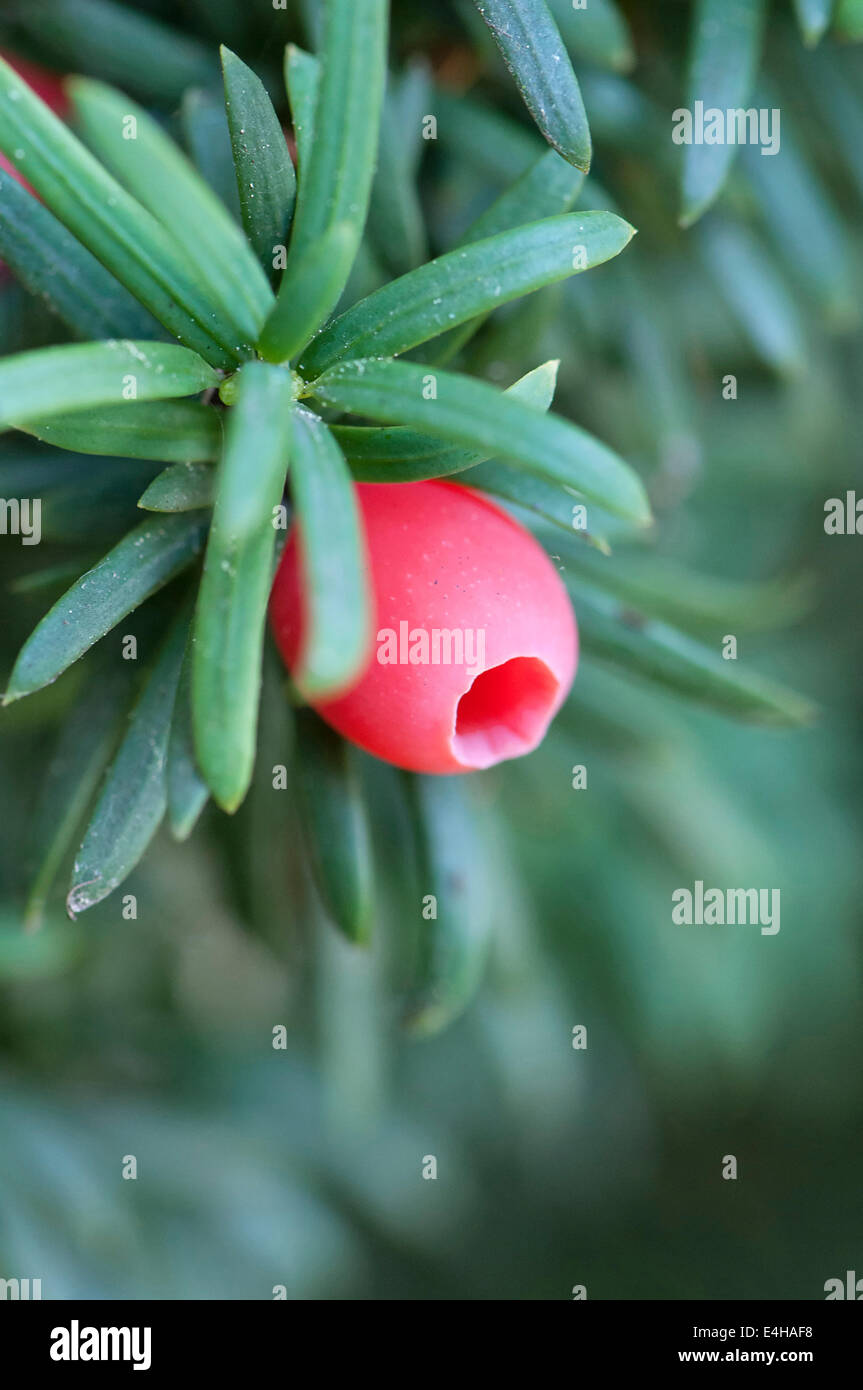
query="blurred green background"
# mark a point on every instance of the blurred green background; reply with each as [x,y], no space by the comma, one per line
[303,1165]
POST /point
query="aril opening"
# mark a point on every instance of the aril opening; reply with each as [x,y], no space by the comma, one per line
[505,712]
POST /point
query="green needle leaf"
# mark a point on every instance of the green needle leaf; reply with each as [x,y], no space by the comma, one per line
[498,147]
[165,431]
[159,175]
[475,279]
[72,513]
[119,45]
[725,51]
[534,52]
[312,15]
[184,487]
[73,775]
[333,817]
[208,140]
[320,273]
[52,577]
[701,604]
[548,188]
[831,93]
[187,790]
[453,870]
[666,657]
[143,561]
[803,222]
[266,182]
[335,181]
[396,221]
[232,602]
[550,501]
[111,224]
[333,560]
[472,413]
[755,293]
[814,18]
[52,380]
[401,455]
[302,80]
[396,455]
[50,263]
[132,802]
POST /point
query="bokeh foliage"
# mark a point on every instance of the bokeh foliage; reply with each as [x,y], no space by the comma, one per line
[153,1037]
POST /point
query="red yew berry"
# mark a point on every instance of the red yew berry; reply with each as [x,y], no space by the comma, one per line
[475,639]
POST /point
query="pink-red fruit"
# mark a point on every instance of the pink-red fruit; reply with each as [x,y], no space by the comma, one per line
[475,642]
